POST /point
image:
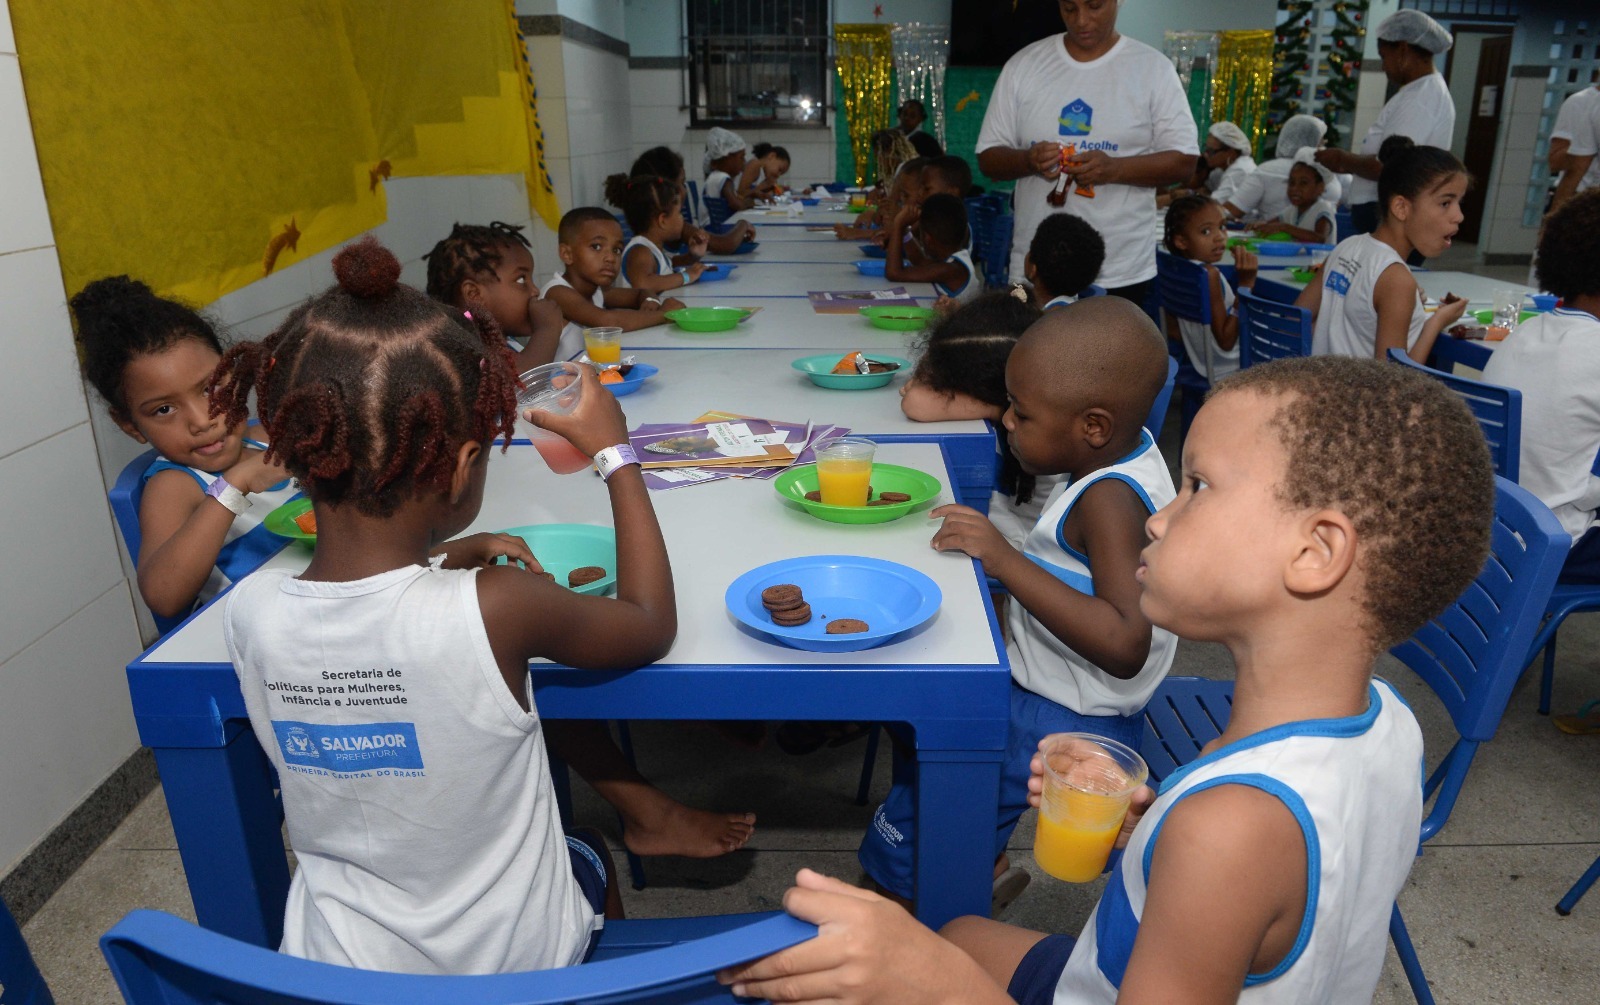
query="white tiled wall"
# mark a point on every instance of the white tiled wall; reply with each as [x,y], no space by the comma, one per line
[67,625]
[1503,231]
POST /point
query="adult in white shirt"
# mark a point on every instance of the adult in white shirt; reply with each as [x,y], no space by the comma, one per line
[1421,109]
[1263,194]
[1227,153]
[1573,144]
[1119,103]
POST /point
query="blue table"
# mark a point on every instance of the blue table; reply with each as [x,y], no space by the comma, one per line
[949,682]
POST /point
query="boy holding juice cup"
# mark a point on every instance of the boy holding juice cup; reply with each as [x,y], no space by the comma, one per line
[1083,658]
[1266,869]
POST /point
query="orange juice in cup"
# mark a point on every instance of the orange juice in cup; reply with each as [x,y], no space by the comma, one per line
[604,345]
[1088,784]
[844,470]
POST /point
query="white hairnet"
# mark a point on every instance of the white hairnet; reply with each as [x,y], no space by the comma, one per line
[1300,131]
[720,143]
[1230,135]
[1415,28]
[1308,156]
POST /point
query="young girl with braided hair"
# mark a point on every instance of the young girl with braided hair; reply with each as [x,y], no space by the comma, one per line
[668,163]
[653,207]
[491,268]
[425,826]
[199,528]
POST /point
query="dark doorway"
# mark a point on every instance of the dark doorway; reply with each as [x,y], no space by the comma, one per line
[1484,59]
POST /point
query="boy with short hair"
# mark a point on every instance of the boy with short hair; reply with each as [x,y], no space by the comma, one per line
[941,230]
[1065,256]
[1266,870]
[1083,658]
[948,174]
[591,249]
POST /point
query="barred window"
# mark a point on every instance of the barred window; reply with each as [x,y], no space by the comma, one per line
[758,62]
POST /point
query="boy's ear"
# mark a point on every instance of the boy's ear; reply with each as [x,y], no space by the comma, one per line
[1326,553]
[1029,271]
[461,477]
[565,251]
[1098,426]
[125,424]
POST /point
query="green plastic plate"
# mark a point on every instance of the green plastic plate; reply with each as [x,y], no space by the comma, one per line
[281,522]
[922,487]
[1302,275]
[707,319]
[1487,316]
[899,319]
[820,370]
[562,547]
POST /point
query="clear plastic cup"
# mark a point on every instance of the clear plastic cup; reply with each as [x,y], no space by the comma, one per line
[604,345]
[556,388]
[1088,783]
[1507,308]
[844,469]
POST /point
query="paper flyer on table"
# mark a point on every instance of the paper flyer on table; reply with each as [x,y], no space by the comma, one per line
[851,301]
[746,442]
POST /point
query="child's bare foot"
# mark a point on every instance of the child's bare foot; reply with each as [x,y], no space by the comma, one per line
[668,827]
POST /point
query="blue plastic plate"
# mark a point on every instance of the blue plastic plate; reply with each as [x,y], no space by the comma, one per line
[636,377]
[807,201]
[746,247]
[872,266]
[716,273]
[891,598]
[562,547]
[1281,249]
[873,251]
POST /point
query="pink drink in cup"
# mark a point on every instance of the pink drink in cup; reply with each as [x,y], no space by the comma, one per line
[556,388]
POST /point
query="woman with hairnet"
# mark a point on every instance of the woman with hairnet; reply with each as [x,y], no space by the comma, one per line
[1227,153]
[1421,109]
[1264,193]
[723,160]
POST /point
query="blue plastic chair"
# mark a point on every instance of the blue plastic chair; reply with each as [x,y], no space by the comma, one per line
[691,204]
[1185,293]
[20,980]
[1497,409]
[1470,656]
[1269,330]
[124,497]
[716,210]
[1579,888]
[1158,408]
[1344,224]
[1566,599]
[158,959]
[1275,291]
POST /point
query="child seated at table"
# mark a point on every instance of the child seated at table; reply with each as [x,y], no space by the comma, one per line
[947,175]
[760,175]
[1064,257]
[668,163]
[492,267]
[1194,231]
[591,250]
[1554,360]
[1083,657]
[723,162]
[199,527]
[1310,217]
[904,189]
[451,858]
[654,209]
[1365,300]
[941,229]
[1294,544]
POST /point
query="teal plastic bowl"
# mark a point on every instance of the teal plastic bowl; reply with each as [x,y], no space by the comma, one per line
[562,547]
[820,370]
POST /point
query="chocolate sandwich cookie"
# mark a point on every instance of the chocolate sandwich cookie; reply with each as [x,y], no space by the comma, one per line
[585,575]
[894,497]
[792,618]
[846,626]
[781,597]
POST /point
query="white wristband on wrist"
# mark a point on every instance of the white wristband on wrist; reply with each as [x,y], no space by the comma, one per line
[609,460]
[233,500]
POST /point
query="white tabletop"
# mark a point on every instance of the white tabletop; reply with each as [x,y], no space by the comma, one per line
[782,323]
[714,534]
[795,280]
[820,248]
[1479,290]
[808,216]
[761,383]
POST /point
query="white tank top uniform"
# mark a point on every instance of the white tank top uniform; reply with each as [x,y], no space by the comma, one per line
[1347,321]
[248,543]
[716,181]
[969,291]
[571,342]
[1061,301]
[1048,666]
[1209,359]
[1322,209]
[416,790]
[1353,785]
[663,263]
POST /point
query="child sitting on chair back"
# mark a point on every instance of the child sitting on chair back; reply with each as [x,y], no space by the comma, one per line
[1083,658]
[199,529]
[425,826]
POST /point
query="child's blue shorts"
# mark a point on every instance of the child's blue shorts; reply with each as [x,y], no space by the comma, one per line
[888,852]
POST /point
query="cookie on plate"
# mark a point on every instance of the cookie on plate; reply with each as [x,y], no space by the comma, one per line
[846,626]
[585,575]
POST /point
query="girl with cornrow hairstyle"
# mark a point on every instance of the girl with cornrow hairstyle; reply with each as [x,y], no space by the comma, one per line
[654,210]
[151,359]
[668,163]
[490,268]
[451,859]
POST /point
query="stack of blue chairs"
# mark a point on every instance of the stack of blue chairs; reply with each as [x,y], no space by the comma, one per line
[989,217]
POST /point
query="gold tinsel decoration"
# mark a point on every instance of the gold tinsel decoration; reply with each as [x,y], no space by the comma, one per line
[865,57]
[1242,84]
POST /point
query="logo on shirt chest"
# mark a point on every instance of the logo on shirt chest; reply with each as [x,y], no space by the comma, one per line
[349,748]
[1077,118]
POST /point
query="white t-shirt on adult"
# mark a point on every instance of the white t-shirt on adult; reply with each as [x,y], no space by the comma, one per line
[416,790]
[1554,360]
[1229,180]
[1422,110]
[1347,320]
[1578,123]
[572,333]
[1264,192]
[1126,103]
